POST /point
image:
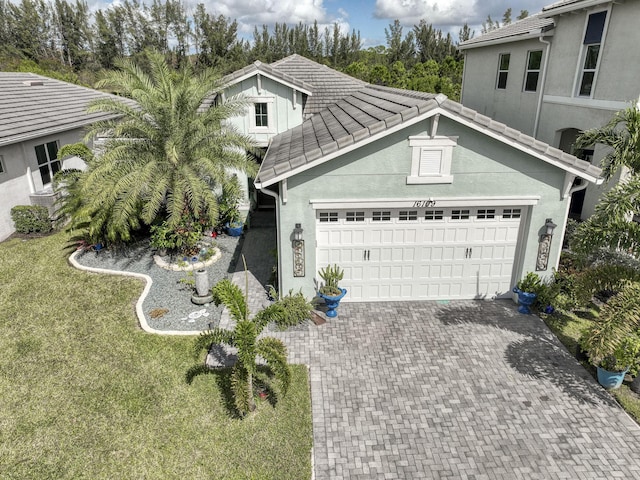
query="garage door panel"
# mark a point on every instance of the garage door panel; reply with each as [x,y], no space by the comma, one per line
[423,257]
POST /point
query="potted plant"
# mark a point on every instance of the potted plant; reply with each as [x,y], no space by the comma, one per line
[526,290]
[228,203]
[330,291]
[612,367]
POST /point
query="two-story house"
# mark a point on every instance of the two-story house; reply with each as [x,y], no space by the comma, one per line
[564,70]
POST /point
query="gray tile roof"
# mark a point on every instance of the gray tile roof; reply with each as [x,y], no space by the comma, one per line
[327,84]
[45,107]
[371,110]
[531,25]
[259,67]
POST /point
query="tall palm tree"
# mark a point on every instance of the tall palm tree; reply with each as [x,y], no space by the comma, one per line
[165,152]
[622,135]
[610,225]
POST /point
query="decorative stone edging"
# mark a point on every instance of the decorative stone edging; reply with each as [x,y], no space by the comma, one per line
[139,310]
[162,263]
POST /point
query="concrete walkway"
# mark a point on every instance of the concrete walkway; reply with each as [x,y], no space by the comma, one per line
[460,390]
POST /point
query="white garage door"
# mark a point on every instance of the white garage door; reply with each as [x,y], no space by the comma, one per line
[420,254]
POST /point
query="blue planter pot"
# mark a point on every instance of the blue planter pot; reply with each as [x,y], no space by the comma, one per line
[332,302]
[234,230]
[525,299]
[610,380]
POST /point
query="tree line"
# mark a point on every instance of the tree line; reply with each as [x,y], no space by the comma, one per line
[63,38]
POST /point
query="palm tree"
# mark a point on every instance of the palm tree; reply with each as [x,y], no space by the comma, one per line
[291,309]
[165,153]
[610,225]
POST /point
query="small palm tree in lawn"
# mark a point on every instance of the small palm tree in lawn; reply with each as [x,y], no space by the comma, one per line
[610,225]
[164,154]
[289,310]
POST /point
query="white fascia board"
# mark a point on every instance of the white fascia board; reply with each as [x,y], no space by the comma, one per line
[13,139]
[431,202]
[584,102]
[533,34]
[272,77]
[572,7]
[347,149]
[506,140]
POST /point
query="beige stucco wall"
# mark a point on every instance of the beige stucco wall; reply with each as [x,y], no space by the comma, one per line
[482,167]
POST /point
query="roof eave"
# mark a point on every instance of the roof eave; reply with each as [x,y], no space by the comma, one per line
[259,71]
[548,12]
[533,34]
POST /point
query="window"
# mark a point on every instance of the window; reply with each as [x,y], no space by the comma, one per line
[486,214]
[355,216]
[48,163]
[511,213]
[460,214]
[2,170]
[328,217]
[262,116]
[591,52]
[408,215]
[503,70]
[381,216]
[533,71]
[433,214]
[431,160]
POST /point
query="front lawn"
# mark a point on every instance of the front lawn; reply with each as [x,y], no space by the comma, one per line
[84,393]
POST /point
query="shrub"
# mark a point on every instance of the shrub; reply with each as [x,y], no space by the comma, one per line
[31,218]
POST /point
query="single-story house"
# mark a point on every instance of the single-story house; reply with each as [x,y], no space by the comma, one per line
[415,196]
[38,115]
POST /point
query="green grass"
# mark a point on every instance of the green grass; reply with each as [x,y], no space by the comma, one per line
[568,327]
[84,393]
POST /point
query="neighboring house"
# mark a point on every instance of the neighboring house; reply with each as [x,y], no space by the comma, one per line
[38,115]
[564,70]
[415,196]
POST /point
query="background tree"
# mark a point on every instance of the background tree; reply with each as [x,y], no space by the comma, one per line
[164,156]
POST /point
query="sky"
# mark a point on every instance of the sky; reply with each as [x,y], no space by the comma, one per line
[370,17]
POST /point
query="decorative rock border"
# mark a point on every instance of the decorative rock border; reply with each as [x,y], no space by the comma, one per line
[162,263]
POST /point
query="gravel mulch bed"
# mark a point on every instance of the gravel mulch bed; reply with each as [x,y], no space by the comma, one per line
[167,292]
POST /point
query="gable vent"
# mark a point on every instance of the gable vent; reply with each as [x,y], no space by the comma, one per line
[33,83]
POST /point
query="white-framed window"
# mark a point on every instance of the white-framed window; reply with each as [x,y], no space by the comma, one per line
[355,217]
[48,163]
[503,70]
[2,167]
[486,213]
[431,160]
[511,212]
[407,215]
[381,216]
[433,214]
[591,48]
[460,214]
[325,217]
[261,115]
[534,60]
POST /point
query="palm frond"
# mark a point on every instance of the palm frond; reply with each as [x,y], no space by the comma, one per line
[213,336]
[274,353]
[230,295]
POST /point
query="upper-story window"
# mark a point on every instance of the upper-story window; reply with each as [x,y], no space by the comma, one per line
[48,163]
[431,160]
[503,70]
[591,52]
[2,170]
[532,74]
[261,115]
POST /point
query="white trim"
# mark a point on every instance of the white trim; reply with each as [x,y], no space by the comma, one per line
[3,168]
[585,102]
[583,5]
[283,191]
[511,38]
[568,184]
[431,202]
[271,77]
[577,80]
[271,127]
[421,144]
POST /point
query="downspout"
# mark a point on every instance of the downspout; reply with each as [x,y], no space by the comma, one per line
[273,194]
[544,79]
[572,190]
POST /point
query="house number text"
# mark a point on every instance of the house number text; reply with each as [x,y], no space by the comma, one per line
[424,203]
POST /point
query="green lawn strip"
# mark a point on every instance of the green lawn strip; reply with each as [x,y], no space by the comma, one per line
[84,393]
[568,327]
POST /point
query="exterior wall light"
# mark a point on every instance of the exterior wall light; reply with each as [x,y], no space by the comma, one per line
[544,246]
[298,251]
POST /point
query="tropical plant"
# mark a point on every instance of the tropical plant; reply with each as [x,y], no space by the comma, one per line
[331,276]
[244,337]
[611,224]
[530,283]
[611,332]
[229,200]
[165,153]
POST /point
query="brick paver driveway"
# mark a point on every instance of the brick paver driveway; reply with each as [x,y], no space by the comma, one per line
[465,390]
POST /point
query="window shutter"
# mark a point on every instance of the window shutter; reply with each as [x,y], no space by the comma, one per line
[430,162]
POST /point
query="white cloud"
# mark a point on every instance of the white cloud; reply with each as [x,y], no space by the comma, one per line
[437,12]
[252,12]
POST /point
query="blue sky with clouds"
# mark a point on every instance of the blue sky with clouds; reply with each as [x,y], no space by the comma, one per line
[370,17]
